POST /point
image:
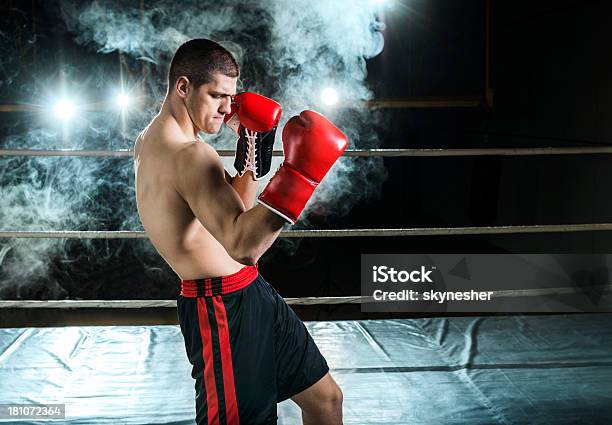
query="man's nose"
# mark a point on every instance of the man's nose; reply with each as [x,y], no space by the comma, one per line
[226,106]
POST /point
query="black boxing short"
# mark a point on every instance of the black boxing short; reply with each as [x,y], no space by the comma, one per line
[248,349]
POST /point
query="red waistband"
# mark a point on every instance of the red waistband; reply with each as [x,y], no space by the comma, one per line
[219,285]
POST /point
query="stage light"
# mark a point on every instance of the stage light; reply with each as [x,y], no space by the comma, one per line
[123,100]
[329,96]
[64,109]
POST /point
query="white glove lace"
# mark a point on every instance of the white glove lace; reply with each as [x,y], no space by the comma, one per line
[251,153]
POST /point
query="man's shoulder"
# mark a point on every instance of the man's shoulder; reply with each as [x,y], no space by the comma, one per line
[195,152]
[143,138]
[136,149]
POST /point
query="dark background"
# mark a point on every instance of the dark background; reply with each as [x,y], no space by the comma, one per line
[550,71]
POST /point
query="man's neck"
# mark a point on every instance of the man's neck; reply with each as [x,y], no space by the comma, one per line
[177,119]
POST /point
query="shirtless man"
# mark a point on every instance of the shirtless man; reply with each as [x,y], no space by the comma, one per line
[248,349]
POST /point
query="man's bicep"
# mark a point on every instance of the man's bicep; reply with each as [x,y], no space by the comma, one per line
[211,199]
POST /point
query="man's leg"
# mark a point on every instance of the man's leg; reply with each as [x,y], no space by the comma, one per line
[321,403]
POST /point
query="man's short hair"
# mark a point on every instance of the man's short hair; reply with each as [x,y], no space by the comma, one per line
[199,59]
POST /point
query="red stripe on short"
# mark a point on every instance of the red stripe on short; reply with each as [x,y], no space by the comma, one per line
[226,360]
[212,400]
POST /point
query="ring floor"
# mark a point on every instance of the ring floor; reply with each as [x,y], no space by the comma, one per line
[509,370]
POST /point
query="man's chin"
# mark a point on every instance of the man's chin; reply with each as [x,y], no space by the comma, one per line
[212,129]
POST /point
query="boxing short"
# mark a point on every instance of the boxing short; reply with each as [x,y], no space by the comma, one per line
[248,349]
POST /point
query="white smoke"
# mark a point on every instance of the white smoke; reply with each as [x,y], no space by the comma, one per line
[288,50]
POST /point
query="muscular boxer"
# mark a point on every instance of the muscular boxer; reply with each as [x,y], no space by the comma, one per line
[248,349]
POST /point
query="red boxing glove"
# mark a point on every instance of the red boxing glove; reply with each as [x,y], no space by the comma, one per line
[254,118]
[312,144]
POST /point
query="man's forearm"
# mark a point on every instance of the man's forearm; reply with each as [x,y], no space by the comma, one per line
[246,187]
[255,231]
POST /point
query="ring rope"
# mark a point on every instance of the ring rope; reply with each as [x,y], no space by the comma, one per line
[335,233]
[132,304]
[161,303]
[411,102]
[579,150]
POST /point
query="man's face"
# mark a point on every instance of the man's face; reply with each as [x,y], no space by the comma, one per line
[208,104]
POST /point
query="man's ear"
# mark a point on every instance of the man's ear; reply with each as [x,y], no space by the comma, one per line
[182,86]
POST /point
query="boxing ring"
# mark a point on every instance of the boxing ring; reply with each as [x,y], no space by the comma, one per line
[512,369]
[477,370]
